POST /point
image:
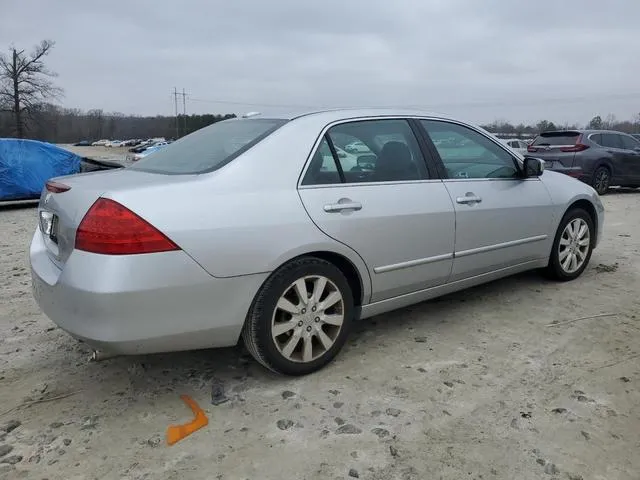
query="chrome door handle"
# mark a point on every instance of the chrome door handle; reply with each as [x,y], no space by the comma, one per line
[469,199]
[339,207]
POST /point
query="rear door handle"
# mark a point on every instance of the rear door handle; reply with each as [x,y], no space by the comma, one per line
[339,207]
[469,199]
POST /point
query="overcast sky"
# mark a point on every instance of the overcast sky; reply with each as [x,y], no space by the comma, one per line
[481,60]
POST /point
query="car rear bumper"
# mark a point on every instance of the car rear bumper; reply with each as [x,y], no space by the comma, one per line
[137,304]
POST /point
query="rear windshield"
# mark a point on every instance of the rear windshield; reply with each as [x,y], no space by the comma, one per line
[556,138]
[208,148]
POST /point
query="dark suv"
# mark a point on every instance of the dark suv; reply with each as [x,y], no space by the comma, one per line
[600,158]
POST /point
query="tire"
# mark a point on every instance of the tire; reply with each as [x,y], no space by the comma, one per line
[557,268]
[601,180]
[298,324]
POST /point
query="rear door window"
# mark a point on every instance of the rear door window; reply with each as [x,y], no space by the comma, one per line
[611,140]
[368,151]
[209,148]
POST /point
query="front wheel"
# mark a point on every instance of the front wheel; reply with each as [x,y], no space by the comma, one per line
[572,246]
[301,317]
[601,180]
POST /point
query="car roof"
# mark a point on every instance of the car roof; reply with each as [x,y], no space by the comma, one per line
[583,131]
[343,113]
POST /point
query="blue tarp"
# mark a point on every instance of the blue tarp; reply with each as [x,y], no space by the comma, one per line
[26,165]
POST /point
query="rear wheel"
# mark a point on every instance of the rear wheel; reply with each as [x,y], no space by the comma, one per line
[301,317]
[572,246]
[601,180]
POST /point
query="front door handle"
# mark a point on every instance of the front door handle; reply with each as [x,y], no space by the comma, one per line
[469,199]
[339,207]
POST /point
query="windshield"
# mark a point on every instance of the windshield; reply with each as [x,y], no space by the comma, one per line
[208,148]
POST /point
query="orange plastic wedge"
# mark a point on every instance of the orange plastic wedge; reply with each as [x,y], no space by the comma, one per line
[175,433]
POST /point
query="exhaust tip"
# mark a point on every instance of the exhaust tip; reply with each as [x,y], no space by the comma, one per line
[98,356]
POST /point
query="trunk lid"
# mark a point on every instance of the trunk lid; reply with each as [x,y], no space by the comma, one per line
[557,149]
[60,214]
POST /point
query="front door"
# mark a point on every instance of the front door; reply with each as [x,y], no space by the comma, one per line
[502,220]
[380,200]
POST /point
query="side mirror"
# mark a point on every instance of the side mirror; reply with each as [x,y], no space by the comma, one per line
[533,167]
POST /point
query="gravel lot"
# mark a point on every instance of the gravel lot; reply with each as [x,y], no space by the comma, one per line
[505,381]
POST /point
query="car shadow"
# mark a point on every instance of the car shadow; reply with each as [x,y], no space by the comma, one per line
[18,204]
[235,368]
[622,191]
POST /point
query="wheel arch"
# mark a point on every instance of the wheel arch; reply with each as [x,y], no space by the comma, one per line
[603,162]
[346,260]
[587,206]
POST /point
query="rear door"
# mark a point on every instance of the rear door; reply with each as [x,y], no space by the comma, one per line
[631,147]
[384,202]
[502,220]
[621,168]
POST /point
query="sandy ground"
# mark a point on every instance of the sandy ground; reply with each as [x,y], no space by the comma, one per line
[476,385]
[111,154]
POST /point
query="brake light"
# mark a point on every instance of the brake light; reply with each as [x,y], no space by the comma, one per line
[56,187]
[578,147]
[531,148]
[110,228]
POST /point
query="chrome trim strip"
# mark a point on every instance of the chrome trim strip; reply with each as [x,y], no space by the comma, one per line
[498,246]
[412,263]
[365,184]
[388,304]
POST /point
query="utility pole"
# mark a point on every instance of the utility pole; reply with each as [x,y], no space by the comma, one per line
[175,101]
[184,110]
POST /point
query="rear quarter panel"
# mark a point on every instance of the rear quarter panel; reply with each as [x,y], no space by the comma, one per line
[247,217]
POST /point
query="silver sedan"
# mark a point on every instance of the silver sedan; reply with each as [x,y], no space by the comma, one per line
[269,230]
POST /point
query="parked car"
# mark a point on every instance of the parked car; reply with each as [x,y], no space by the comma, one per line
[142,145]
[115,143]
[356,147]
[100,143]
[147,151]
[82,143]
[519,146]
[600,158]
[248,228]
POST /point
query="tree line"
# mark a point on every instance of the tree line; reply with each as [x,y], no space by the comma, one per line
[610,122]
[51,123]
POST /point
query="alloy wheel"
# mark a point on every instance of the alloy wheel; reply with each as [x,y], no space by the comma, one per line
[573,247]
[307,319]
[601,180]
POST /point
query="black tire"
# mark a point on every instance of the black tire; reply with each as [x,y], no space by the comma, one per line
[554,269]
[256,333]
[601,180]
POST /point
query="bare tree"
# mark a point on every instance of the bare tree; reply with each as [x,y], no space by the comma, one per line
[25,83]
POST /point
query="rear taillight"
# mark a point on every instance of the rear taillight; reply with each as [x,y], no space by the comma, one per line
[110,228]
[56,187]
[532,149]
[578,147]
